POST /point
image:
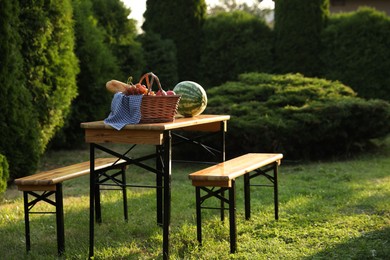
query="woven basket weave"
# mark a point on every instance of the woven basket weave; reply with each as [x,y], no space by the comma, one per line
[157,109]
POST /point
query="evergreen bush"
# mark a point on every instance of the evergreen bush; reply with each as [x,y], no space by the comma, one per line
[97,66]
[19,129]
[234,43]
[51,65]
[4,173]
[298,27]
[160,57]
[120,36]
[301,117]
[356,52]
[180,21]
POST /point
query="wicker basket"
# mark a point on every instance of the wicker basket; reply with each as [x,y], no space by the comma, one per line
[157,109]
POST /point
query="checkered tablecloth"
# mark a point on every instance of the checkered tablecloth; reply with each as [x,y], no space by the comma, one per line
[124,110]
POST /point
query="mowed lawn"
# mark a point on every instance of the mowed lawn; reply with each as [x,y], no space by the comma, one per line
[337,209]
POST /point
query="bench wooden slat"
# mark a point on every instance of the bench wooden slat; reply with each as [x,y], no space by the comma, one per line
[222,173]
[52,177]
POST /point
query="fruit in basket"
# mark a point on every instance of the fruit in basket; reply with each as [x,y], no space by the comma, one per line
[193,98]
[161,92]
[171,93]
[141,89]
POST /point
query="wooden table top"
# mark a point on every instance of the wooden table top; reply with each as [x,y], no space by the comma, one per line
[176,124]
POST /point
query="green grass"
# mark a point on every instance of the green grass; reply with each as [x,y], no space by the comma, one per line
[328,210]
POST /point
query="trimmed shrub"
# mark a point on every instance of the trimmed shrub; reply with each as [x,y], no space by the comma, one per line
[234,43]
[180,21]
[120,36]
[301,117]
[51,65]
[97,66]
[160,56]
[298,27]
[4,173]
[19,136]
[356,52]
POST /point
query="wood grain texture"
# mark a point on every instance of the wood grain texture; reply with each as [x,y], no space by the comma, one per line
[46,180]
[220,175]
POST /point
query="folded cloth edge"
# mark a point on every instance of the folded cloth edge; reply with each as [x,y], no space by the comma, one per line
[124,110]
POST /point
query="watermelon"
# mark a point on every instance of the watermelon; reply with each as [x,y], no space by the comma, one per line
[193,99]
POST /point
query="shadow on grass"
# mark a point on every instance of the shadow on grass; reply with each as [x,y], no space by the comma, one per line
[371,245]
[138,237]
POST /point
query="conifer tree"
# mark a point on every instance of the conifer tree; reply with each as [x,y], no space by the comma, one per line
[120,36]
[97,66]
[298,27]
[181,21]
[51,65]
[18,121]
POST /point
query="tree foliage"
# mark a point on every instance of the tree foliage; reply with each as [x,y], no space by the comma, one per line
[234,43]
[120,36]
[97,66]
[357,52]
[19,139]
[160,57]
[304,118]
[4,173]
[181,21]
[298,27]
[51,65]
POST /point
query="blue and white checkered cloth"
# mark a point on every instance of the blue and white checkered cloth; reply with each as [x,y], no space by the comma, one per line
[124,110]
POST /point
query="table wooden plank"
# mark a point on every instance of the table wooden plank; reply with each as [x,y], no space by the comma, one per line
[181,122]
[123,136]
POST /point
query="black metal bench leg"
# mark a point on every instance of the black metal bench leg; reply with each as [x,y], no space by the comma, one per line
[60,219]
[198,216]
[124,193]
[26,221]
[247,196]
[276,199]
[232,218]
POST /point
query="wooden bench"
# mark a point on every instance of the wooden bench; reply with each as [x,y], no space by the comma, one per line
[50,182]
[223,176]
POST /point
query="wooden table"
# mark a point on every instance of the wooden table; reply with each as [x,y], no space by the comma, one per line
[160,135]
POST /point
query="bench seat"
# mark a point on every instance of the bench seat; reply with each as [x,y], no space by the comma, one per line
[47,180]
[49,183]
[221,177]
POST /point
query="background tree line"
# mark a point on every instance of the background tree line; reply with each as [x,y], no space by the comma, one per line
[57,55]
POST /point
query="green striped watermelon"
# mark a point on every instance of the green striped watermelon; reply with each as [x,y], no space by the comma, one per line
[193,99]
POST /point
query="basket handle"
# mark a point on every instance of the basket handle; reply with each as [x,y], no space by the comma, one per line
[149,78]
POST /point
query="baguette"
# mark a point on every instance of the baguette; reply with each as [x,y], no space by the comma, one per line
[116,86]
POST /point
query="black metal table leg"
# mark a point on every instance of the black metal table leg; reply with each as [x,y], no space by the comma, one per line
[222,159]
[159,189]
[98,209]
[91,199]
[276,199]
[124,193]
[167,192]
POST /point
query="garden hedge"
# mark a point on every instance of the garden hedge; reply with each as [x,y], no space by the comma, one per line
[234,43]
[4,173]
[19,128]
[304,118]
[356,52]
